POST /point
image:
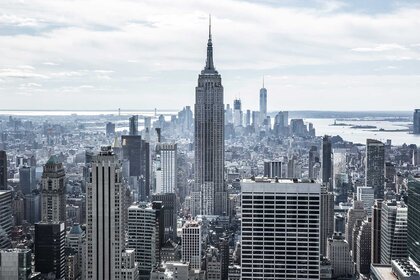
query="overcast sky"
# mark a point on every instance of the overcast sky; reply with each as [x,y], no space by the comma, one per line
[145,54]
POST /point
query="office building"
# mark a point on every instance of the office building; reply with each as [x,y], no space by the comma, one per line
[326,159]
[53,191]
[363,250]
[133,125]
[110,128]
[129,267]
[327,218]
[280,229]
[312,160]
[105,206]
[357,212]
[209,139]
[50,242]
[33,207]
[137,151]
[338,252]
[3,170]
[393,231]
[263,102]
[192,244]
[27,179]
[166,154]
[76,240]
[416,121]
[237,113]
[272,169]
[248,118]
[376,232]
[367,195]
[6,219]
[144,236]
[15,264]
[170,208]
[413,220]
[375,167]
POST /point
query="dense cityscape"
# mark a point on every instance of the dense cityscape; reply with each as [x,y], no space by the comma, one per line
[212,192]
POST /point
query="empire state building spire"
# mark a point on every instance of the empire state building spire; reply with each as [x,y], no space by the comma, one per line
[209,61]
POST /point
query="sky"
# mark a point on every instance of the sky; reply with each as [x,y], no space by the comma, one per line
[144,54]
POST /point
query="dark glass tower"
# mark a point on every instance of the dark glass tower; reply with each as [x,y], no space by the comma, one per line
[413,220]
[375,166]
[326,159]
[209,139]
[3,170]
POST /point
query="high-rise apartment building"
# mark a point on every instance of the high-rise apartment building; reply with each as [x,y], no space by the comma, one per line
[280,229]
[105,205]
[50,241]
[393,231]
[191,241]
[326,159]
[53,191]
[375,166]
[209,139]
[3,170]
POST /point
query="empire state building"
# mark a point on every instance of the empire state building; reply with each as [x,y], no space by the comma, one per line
[209,195]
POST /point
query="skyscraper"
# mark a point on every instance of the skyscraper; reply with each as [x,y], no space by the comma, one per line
[53,196]
[237,113]
[169,202]
[338,252]
[280,229]
[27,179]
[376,232]
[15,264]
[50,241]
[393,231]
[142,236]
[326,218]
[367,195]
[416,121]
[133,125]
[3,170]
[272,169]
[209,138]
[137,151]
[326,159]
[363,251]
[413,220]
[167,161]
[191,244]
[6,220]
[375,166]
[263,103]
[105,240]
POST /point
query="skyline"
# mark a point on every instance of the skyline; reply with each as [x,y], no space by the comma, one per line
[141,55]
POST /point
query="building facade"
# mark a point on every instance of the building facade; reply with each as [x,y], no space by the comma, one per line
[53,191]
[209,139]
[375,167]
[280,229]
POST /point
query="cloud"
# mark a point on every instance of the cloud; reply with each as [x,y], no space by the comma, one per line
[381,48]
[152,50]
